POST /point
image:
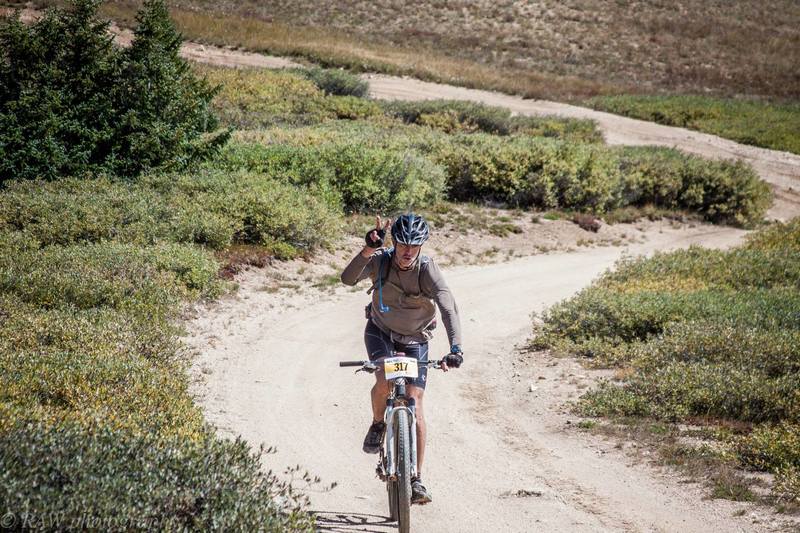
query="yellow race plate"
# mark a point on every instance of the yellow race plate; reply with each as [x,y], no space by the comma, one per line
[400,367]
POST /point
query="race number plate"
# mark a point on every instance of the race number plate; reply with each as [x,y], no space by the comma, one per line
[400,367]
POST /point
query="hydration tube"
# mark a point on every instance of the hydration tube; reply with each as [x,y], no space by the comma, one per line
[383,308]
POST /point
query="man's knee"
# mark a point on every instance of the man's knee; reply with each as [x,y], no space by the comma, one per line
[417,393]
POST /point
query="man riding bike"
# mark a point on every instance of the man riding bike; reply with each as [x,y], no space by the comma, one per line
[401,318]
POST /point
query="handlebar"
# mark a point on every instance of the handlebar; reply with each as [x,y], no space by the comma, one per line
[373,365]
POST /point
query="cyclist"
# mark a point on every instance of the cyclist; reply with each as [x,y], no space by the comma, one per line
[401,317]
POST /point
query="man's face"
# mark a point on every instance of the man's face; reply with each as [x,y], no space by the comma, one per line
[406,254]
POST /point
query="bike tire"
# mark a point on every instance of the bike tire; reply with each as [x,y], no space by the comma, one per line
[391,490]
[403,473]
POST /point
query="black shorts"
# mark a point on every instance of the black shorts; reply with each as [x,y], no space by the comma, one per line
[379,344]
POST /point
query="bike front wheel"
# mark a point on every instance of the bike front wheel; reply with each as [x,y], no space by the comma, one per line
[391,490]
[403,436]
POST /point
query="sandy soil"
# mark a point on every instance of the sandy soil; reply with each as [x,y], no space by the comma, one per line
[502,450]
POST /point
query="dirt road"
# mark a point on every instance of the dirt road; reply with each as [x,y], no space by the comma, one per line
[501,454]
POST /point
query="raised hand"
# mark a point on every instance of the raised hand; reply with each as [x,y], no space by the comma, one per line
[374,237]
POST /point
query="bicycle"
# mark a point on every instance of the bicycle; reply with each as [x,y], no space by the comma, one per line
[397,459]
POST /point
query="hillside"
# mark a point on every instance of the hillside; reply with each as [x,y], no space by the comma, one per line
[577,48]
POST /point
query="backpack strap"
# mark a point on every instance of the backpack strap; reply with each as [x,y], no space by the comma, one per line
[424,260]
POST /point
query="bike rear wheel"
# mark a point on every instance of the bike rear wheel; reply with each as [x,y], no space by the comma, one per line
[403,472]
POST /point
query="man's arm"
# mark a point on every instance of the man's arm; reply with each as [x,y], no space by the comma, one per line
[360,267]
[434,285]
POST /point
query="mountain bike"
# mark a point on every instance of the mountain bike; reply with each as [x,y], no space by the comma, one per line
[397,459]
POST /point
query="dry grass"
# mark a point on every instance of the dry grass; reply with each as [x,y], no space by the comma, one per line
[332,47]
[567,49]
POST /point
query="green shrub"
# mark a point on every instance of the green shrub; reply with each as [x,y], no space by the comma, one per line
[771,351]
[780,237]
[545,174]
[609,400]
[678,390]
[257,98]
[767,124]
[260,208]
[772,446]
[74,210]
[67,476]
[337,82]
[72,102]
[203,207]
[142,333]
[366,178]
[455,116]
[109,275]
[706,335]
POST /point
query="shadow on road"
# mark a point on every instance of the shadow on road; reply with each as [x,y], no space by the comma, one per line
[333,521]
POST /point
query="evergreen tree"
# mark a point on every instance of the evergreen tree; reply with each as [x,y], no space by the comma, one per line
[71,102]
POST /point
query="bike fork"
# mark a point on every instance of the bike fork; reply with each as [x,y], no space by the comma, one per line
[390,436]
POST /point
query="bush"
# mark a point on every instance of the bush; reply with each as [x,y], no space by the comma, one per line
[109,275]
[366,178]
[93,376]
[705,335]
[337,82]
[772,447]
[257,98]
[768,124]
[67,476]
[455,116]
[780,237]
[547,174]
[259,208]
[72,102]
[75,210]
[203,207]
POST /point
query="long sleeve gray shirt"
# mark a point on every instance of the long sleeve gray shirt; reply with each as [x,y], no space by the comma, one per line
[410,296]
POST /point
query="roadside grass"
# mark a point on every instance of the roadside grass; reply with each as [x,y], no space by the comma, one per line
[95,414]
[697,457]
[454,116]
[700,335]
[94,273]
[258,98]
[328,47]
[765,124]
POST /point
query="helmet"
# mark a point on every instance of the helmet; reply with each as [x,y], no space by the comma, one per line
[410,229]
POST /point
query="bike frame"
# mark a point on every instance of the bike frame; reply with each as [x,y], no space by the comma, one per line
[397,401]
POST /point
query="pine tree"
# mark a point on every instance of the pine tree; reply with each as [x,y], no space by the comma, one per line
[71,102]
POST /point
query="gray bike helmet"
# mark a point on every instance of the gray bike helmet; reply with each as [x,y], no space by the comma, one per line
[410,229]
